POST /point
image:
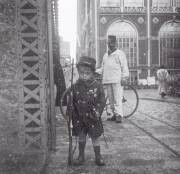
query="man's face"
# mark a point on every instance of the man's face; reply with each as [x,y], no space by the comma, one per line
[85,73]
[111,44]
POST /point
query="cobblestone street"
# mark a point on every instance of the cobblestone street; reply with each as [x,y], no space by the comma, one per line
[146,143]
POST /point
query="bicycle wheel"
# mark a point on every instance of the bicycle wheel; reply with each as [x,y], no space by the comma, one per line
[61,102]
[130,101]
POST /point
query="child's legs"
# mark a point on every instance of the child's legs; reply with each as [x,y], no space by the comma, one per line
[82,144]
[97,150]
[95,141]
[118,95]
[82,136]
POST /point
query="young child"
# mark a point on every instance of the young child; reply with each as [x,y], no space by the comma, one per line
[88,104]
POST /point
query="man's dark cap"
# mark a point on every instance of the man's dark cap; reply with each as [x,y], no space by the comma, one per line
[87,61]
[162,67]
[112,38]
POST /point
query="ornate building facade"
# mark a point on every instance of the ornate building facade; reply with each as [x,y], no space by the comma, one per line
[86,28]
[148,31]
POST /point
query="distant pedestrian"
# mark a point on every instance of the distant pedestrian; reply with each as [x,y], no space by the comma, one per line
[59,80]
[162,75]
[114,71]
[88,104]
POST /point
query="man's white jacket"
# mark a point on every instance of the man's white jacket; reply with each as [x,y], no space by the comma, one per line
[114,67]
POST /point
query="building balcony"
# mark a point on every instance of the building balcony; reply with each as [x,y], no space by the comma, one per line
[164,9]
[114,10]
[122,10]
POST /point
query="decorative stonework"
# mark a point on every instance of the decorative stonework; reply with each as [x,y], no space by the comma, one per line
[140,20]
[122,10]
[163,10]
[103,20]
[155,20]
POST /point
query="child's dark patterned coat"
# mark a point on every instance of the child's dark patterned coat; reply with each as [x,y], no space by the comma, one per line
[88,104]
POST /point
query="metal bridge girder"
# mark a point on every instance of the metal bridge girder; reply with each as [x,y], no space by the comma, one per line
[32,60]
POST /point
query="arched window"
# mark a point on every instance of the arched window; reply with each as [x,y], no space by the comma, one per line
[169,40]
[127,38]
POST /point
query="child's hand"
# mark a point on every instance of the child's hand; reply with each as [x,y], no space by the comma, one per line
[95,116]
[99,71]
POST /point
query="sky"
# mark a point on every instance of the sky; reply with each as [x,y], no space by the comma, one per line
[67,23]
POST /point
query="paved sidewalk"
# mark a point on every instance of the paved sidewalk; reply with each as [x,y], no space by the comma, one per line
[130,149]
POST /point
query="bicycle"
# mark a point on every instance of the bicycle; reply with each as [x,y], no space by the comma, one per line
[130,101]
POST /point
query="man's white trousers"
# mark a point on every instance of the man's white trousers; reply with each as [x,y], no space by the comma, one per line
[114,92]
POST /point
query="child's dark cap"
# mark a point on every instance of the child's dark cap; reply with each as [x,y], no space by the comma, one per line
[87,61]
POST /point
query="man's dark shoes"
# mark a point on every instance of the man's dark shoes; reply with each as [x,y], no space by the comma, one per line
[163,94]
[118,119]
[113,118]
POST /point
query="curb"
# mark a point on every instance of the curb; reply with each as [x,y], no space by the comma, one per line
[161,100]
